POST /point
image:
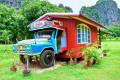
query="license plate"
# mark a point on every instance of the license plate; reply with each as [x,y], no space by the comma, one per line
[20,47]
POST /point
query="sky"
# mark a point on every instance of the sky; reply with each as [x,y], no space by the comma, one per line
[77,4]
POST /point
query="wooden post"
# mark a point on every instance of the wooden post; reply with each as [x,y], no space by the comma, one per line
[75,59]
[99,39]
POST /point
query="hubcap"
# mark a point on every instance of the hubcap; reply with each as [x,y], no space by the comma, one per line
[48,58]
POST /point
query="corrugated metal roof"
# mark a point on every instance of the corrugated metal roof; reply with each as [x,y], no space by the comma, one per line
[79,17]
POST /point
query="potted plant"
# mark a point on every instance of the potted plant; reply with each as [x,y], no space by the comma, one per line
[71,53]
[14,66]
[105,51]
[89,60]
[97,52]
[88,52]
[92,55]
[96,56]
[26,71]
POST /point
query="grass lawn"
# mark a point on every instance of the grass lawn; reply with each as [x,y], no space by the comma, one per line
[108,69]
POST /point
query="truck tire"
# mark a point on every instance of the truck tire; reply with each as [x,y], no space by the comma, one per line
[47,59]
[24,60]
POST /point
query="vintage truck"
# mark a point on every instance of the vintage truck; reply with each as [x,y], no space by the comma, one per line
[54,34]
[44,43]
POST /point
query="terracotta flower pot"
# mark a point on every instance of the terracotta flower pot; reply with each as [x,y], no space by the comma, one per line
[104,54]
[26,73]
[72,63]
[13,68]
[89,64]
[94,61]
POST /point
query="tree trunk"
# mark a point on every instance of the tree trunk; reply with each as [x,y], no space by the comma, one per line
[25,37]
[5,46]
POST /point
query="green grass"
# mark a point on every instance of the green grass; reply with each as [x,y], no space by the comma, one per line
[108,69]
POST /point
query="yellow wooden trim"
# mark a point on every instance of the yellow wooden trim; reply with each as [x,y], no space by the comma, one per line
[83,25]
[91,19]
[86,22]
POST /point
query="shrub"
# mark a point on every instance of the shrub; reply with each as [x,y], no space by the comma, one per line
[91,51]
[105,50]
[71,53]
[110,37]
[116,38]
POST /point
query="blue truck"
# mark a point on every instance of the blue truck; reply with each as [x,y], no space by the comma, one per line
[48,41]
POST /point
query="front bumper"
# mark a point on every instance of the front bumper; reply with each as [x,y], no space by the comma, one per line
[28,54]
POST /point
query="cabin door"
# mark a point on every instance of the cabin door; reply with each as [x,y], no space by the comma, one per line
[61,40]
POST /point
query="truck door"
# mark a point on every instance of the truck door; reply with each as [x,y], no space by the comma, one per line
[61,40]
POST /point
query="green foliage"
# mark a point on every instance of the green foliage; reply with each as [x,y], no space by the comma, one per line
[71,53]
[103,12]
[17,21]
[8,20]
[103,37]
[115,33]
[117,38]
[31,10]
[106,50]
[91,52]
[5,35]
[110,37]
[115,30]
[99,1]
[6,17]
[88,53]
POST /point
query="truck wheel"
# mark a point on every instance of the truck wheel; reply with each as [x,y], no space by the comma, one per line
[47,58]
[24,60]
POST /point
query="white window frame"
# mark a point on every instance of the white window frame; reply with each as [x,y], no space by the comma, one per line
[81,30]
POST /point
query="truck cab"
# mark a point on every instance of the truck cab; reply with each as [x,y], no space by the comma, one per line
[49,39]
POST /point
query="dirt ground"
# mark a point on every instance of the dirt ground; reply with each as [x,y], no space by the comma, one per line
[35,66]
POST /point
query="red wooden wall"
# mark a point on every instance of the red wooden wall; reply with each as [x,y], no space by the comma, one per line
[71,33]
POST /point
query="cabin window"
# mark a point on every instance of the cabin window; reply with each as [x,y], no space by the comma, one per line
[83,34]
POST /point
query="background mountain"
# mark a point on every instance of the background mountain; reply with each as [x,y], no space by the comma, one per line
[66,7]
[104,12]
[17,4]
[13,3]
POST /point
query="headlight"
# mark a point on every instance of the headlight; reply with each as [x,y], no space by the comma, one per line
[13,47]
[28,47]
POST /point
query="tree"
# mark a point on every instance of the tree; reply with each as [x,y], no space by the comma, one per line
[110,37]
[103,37]
[117,38]
[17,21]
[8,20]
[6,35]
[31,10]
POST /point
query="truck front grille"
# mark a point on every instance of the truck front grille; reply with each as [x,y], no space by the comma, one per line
[20,48]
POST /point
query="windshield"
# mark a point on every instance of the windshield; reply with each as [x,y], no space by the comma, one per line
[44,34]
